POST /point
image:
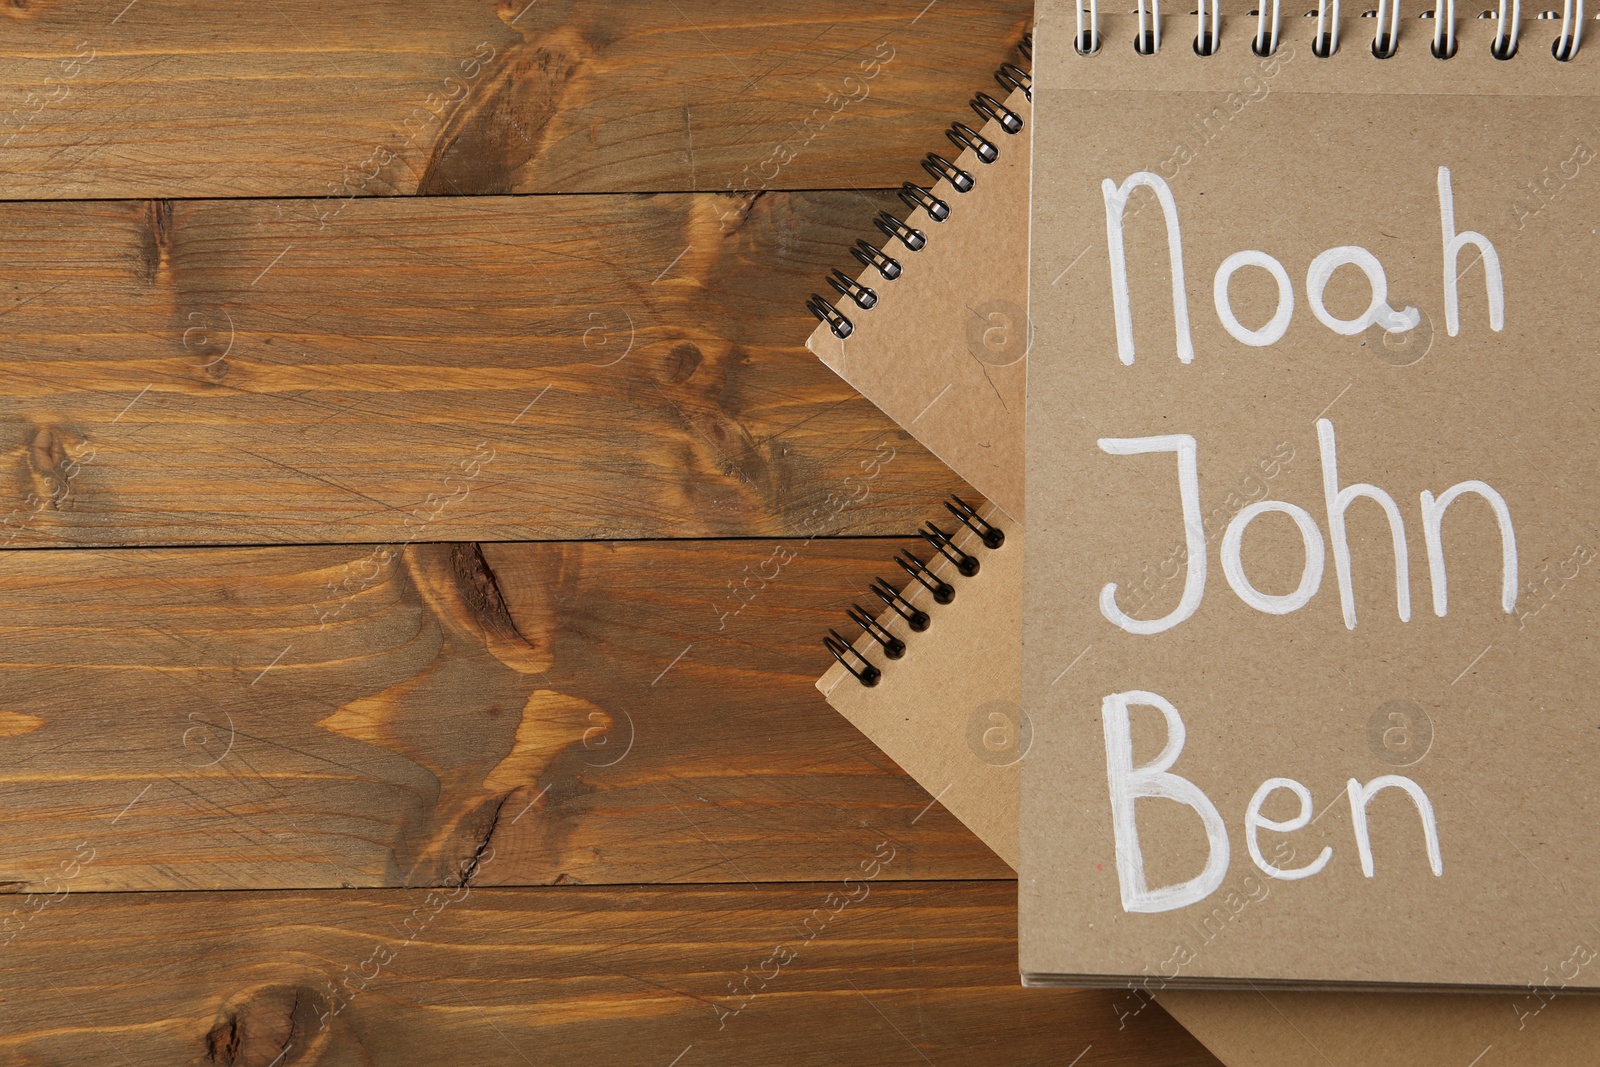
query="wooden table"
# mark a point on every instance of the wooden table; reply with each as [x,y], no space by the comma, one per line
[399,399]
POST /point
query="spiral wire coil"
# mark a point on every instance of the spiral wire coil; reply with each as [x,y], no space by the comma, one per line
[1011,78]
[966,564]
[1325,38]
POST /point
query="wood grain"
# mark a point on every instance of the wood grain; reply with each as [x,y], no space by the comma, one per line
[461,682]
[379,716]
[299,98]
[891,973]
[234,372]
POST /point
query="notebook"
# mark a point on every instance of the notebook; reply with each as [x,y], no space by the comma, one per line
[1311,471]
[944,701]
[939,740]
[942,298]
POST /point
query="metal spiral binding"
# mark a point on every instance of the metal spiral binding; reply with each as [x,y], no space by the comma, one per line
[864,298]
[965,563]
[916,196]
[915,617]
[988,107]
[1011,78]
[892,646]
[898,601]
[963,136]
[1325,38]
[943,592]
[911,237]
[841,326]
[872,256]
[842,651]
[940,167]
[991,535]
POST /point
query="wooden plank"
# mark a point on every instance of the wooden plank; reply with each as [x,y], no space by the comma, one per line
[499,368]
[369,716]
[901,974]
[300,98]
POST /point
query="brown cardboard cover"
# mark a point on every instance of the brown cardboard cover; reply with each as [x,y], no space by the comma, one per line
[1487,711]
[944,351]
[947,711]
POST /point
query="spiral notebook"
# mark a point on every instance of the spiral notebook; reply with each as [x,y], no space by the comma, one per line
[932,680]
[931,330]
[1320,729]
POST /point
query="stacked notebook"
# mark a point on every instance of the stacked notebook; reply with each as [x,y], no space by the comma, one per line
[1302,700]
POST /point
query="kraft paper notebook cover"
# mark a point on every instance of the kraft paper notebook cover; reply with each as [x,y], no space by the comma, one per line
[943,703]
[1309,619]
[941,347]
